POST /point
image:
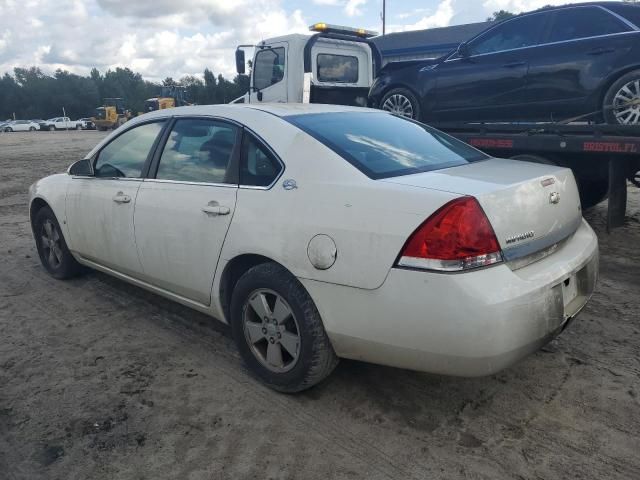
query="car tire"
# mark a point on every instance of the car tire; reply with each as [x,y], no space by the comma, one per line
[51,128]
[32,129]
[8,129]
[52,247]
[624,89]
[78,127]
[401,101]
[286,347]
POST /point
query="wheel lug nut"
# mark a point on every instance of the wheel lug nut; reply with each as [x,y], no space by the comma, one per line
[264,330]
[271,340]
[279,335]
[275,322]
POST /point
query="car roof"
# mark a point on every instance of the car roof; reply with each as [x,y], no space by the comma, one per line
[277,109]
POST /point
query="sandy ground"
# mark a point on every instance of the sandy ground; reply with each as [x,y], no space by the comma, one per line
[101,380]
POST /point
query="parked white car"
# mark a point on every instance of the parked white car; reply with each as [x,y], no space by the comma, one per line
[61,123]
[321,232]
[20,126]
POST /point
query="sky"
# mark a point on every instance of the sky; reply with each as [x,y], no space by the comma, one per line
[162,38]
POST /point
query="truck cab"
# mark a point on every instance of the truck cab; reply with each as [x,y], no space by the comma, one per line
[334,65]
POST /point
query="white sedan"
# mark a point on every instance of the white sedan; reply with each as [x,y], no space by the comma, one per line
[21,126]
[319,232]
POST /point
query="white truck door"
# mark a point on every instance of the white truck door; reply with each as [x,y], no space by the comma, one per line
[269,76]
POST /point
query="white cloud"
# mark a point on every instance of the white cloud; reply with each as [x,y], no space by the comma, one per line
[352,7]
[440,18]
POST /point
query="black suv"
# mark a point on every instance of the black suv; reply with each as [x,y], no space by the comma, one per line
[548,65]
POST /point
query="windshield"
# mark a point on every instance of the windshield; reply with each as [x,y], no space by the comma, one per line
[381,145]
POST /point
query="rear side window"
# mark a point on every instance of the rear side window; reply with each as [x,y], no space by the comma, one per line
[258,166]
[584,22]
[199,150]
[269,67]
[126,155]
[517,33]
[381,145]
[630,12]
[337,68]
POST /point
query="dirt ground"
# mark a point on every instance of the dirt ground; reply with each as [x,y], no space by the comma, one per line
[101,380]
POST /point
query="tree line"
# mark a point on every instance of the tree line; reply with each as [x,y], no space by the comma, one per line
[29,93]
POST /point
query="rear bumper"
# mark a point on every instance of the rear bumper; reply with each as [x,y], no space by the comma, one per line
[469,324]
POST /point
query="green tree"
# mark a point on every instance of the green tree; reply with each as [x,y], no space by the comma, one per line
[500,15]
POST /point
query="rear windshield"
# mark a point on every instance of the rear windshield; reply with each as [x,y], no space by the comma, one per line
[381,145]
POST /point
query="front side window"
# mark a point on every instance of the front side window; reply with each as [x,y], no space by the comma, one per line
[199,150]
[517,33]
[258,166]
[337,68]
[381,145]
[126,155]
[584,22]
[269,67]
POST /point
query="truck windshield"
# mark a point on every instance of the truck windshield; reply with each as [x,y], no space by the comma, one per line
[381,145]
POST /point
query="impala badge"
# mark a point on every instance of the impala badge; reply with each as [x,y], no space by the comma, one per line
[289,184]
[520,237]
[554,198]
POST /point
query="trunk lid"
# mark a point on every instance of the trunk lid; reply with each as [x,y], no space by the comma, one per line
[531,206]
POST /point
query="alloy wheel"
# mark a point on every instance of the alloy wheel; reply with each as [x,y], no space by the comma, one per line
[51,246]
[398,104]
[626,104]
[271,330]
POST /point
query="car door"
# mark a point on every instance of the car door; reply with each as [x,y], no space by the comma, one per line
[489,82]
[183,212]
[100,208]
[269,76]
[585,44]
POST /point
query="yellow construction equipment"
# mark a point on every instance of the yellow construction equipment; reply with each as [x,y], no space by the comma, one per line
[170,96]
[111,114]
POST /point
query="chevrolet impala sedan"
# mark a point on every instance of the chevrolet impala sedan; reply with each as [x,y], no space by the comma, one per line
[319,232]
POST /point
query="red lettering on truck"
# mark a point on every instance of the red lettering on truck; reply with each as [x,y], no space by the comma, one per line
[610,147]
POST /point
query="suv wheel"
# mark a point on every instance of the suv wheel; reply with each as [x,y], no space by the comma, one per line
[279,331]
[401,101]
[622,101]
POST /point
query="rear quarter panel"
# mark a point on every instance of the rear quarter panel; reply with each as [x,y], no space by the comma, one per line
[368,220]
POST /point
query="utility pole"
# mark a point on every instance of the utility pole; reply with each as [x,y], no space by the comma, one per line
[384,15]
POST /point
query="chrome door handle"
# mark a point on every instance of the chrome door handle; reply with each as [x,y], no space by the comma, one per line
[514,64]
[216,210]
[121,198]
[600,51]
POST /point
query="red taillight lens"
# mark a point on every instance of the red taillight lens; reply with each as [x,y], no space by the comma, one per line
[456,237]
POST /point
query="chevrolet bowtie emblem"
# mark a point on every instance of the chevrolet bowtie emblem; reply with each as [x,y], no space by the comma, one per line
[554,198]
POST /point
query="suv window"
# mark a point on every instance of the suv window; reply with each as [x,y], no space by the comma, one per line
[337,68]
[199,150]
[517,33]
[630,12]
[126,154]
[269,67]
[258,166]
[382,145]
[584,22]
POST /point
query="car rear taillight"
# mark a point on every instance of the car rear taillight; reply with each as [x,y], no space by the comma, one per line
[456,237]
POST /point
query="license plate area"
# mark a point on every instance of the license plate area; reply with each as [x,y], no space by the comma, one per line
[569,291]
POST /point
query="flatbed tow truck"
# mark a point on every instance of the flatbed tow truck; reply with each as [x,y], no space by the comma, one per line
[337,65]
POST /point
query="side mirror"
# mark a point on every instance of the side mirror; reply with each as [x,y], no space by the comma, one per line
[240,61]
[82,168]
[463,50]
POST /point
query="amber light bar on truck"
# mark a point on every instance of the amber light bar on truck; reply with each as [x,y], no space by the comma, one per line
[328,28]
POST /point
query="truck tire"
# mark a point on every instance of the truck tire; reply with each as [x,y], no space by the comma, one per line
[401,101]
[51,128]
[278,330]
[78,126]
[622,100]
